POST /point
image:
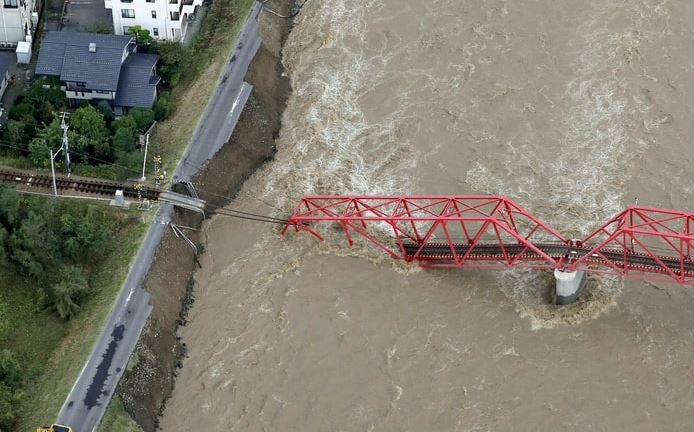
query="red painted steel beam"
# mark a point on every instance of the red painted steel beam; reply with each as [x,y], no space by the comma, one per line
[493,231]
[391,222]
[661,236]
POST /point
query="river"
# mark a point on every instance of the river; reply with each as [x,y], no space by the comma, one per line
[573,109]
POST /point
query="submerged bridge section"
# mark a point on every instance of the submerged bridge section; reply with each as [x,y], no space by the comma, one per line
[493,231]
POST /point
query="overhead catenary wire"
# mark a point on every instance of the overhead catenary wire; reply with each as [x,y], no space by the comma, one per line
[232,199]
[225,211]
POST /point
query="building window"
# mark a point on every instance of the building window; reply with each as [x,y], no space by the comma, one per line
[11,3]
[126,30]
[154,14]
[175,16]
[155,31]
[126,1]
[173,1]
[149,1]
[127,13]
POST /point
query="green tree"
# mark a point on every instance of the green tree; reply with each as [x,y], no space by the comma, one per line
[21,110]
[16,133]
[34,247]
[45,89]
[88,121]
[124,139]
[172,57]
[39,153]
[70,291]
[44,112]
[143,117]
[86,235]
[48,138]
[123,122]
[142,36]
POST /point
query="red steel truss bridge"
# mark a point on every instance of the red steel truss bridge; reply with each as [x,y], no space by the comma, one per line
[493,231]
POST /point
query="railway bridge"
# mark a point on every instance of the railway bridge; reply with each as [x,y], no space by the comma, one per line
[493,231]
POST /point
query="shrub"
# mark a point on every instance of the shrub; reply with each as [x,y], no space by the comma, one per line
[21,110]
[143,117]
[162,107]
[70,292]
[105,109]
[172,57]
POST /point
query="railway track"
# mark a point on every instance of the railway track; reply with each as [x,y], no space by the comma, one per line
[80,185]
[490,252]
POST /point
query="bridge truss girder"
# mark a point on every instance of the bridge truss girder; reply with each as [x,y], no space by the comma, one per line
[493,231]
[396,223]
[642,240]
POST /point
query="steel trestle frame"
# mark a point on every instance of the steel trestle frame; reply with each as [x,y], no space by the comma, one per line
[649,240]
[494,231]
[421,220]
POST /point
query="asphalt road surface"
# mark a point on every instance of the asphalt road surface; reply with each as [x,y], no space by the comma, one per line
[96,384]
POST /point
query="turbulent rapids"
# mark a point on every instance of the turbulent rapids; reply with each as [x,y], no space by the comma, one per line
[572,109]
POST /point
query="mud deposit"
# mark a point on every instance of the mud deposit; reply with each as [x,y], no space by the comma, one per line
[146,386]
[570,108]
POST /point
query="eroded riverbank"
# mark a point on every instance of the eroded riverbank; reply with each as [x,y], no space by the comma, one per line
[147,384]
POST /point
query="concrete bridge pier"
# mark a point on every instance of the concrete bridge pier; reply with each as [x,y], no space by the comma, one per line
[569,286]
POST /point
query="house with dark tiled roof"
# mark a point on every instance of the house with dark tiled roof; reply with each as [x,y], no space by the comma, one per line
[96,67]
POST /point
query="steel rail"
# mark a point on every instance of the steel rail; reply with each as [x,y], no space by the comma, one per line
[80,185]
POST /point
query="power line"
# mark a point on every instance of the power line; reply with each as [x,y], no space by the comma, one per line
[221,210]
[249,218]
[231,199]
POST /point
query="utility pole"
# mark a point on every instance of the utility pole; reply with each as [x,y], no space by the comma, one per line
[55,189]
[64,126]
[144,161]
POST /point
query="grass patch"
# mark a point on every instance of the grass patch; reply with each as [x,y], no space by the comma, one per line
[53,350]
[207,59]
[117,419]
[16,162]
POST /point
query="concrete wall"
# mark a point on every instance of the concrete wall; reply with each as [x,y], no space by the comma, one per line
[166,27]
[13,21]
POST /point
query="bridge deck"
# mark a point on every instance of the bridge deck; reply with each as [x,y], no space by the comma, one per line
[441,253]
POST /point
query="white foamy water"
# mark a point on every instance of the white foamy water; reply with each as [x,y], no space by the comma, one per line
[570,109]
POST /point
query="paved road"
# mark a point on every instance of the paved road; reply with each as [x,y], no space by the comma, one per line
[227,102]
[89,397]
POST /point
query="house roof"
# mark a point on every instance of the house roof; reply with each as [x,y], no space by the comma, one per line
[67,55]
[137,87]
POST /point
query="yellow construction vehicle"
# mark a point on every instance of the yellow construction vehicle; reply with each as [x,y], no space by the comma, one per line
[54,428]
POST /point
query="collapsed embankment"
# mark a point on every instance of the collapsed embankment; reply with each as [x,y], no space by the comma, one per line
[150,377]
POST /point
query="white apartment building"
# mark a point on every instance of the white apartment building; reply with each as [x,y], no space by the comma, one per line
[165,19]
[17,21]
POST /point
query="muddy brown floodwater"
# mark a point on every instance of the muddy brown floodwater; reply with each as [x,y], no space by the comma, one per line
[570,108]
